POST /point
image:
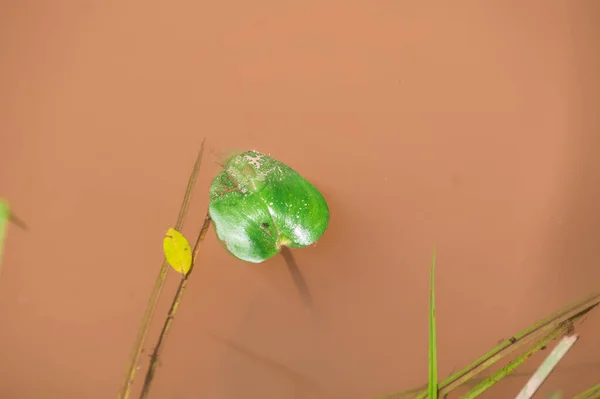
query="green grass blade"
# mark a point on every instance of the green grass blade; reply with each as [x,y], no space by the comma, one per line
[134,357]
[512,366]
[433,381]
[524,337]
[547,366]
[593,392]
[564,328]
[4,218]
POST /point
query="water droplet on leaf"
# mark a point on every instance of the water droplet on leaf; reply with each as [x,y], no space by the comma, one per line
[238,207]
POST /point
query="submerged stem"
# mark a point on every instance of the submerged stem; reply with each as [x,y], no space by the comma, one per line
[297,276]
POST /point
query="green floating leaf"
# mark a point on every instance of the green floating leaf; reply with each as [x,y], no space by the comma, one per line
[259,204]
[177,251]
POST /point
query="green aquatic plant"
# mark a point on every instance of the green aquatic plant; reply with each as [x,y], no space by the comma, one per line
[259,204]
[534,338]
[260,207]
[551,361]
[433,378]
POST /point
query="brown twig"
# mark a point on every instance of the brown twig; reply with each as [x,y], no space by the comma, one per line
[158,286]
[172,312]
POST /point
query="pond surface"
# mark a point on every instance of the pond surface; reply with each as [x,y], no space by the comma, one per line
[471,129]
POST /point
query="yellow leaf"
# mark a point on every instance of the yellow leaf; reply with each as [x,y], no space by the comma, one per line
[177,251]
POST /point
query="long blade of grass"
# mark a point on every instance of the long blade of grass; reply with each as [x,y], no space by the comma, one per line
[551,361]
[433,381]
[505,348]
[4,216]
[172,312]
[158,286]
[519,340]
[590,393]
[512,366]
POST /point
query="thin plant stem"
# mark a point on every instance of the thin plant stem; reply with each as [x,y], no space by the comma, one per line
[134,357]
[518,340]
[512,366]
[591,393]
[298,277]
[433,377]
[548,365]
[4,217]
[172,312]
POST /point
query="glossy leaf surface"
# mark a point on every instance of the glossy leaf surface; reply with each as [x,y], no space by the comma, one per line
[258,204]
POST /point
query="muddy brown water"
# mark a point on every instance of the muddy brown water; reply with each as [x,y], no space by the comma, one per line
[469,127]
